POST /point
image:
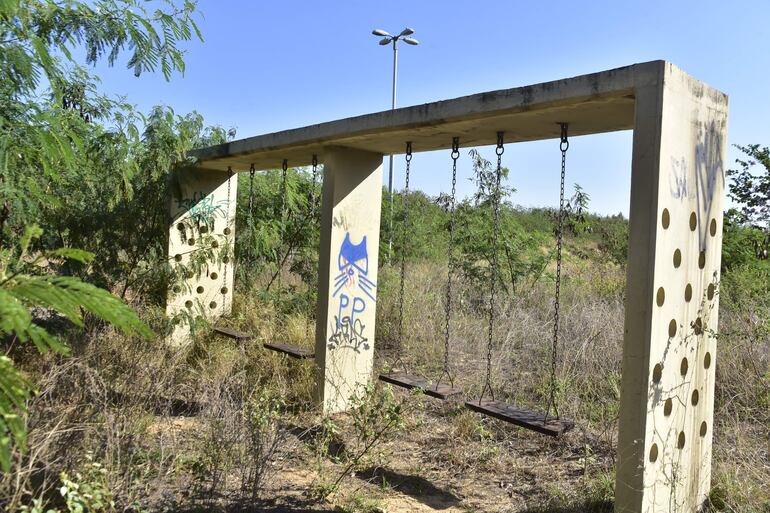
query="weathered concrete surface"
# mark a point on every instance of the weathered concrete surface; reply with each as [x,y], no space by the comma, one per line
[347,275]
[200,244]
[595,103]
[669,350]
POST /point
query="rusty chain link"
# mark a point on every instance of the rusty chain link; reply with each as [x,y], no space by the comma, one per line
[563,147]
[404,239]
[499,150]
[450,264]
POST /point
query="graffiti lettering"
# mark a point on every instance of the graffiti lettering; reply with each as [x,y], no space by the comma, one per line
[202,208]
[352,288]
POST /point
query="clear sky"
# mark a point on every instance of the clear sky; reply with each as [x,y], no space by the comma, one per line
[274,65]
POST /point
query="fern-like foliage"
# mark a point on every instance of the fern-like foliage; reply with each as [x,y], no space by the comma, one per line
[25,284]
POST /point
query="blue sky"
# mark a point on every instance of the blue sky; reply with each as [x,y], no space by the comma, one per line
[268,66]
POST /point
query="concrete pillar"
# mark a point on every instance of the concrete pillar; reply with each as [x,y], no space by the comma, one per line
[200,247]
[669,351]
[347,276]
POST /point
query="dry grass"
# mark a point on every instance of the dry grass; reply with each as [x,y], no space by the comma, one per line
[211,426]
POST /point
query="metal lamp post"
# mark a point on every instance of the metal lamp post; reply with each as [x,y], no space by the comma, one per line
[386,40]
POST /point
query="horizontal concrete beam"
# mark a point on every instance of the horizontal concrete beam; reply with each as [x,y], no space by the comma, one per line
[595,103]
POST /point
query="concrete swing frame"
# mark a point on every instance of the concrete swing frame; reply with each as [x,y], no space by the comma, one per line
[675,225]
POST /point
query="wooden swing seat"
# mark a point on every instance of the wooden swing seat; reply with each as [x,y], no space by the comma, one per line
[534,421]
[439,390]
[297,352]
[231,333]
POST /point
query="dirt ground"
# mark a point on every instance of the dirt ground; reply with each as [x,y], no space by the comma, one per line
[446,459]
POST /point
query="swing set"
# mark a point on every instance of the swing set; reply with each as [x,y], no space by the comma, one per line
[290,350]
[679,147]
[545,423]
[443,387]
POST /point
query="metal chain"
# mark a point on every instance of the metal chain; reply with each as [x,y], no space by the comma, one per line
[493,277]
[284,168]
[224,290]
[563,146]
[312,187]
[450,264]
[252,172]
[405,237]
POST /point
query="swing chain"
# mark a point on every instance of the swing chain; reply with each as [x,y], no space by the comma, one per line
[405,231]
[284,168]
[226,231]
[499,150]
[252,172]
[313,185]
[563,147]
[450,264]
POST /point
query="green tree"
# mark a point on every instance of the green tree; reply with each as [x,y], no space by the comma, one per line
[747,229]
[751,187]
[72,160]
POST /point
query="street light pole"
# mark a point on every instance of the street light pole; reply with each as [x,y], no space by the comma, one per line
[387,39]
[390,157]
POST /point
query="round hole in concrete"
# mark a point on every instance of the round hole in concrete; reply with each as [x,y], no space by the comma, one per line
[667,407]
[191,241]
[657,373]
[665,218]
[199,290]
[683,367]
[702,260]
[688,293]
[695,397]
[660,297]
[713,227]
[672,328]
[226,231]
[677,259]
[213,305]
[178,257]
[710,291]
[203,228]
[188,303]
[180,226]
[225,260]
[680,440]
[703,428]
[177,289]
[214,244]
[223,290]
[707,361]
[693,221]
[654,453]
[213,276]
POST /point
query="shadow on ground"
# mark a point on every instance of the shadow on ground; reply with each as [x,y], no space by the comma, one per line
[576,507]
[419,488]
[286,506]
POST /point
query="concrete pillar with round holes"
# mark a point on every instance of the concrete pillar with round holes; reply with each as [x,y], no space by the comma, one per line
[669,352]
[347,276]
[200,247]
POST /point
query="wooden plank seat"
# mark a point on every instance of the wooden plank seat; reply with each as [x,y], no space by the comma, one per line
[229,332]
[293,351]
[531,420]
[441,391]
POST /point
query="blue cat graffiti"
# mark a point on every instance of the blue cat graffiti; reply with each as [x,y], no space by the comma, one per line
[352,287]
